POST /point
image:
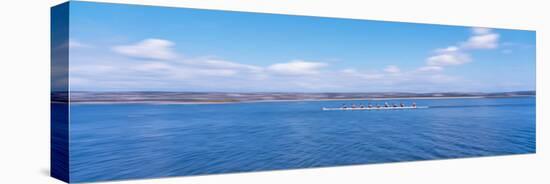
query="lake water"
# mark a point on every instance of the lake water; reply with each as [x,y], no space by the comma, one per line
[125,141]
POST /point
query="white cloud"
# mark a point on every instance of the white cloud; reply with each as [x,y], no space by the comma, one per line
[156,49]
[296,67]
[430,69]
[483,38]
[487,41]
[448,59]
[392,69]
[448,49]
[198,68]
[217,63]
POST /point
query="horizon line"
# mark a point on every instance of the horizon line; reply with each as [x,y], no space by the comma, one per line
[290,91]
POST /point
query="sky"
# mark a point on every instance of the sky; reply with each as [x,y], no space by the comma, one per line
[117,47]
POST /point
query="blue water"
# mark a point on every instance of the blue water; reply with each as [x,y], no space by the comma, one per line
[125,141]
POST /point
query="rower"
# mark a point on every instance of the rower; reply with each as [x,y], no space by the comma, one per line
[402,104]
[352,105]
[394,105]
[414,104]
[361,106]
[370,105]
[386,104]
[344,106]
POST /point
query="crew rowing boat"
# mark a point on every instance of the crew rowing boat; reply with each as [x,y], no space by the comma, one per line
[372,108]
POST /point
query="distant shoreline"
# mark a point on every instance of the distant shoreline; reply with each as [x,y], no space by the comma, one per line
[293,100]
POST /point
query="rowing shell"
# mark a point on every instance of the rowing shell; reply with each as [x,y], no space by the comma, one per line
[372,108]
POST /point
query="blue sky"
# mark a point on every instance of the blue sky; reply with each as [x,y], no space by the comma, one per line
[142,48]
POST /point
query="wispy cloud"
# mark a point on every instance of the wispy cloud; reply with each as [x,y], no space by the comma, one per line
[483,38]
[448,57]
[297,67]
[392,69]
[157,49]
[430,69]
[221,64]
